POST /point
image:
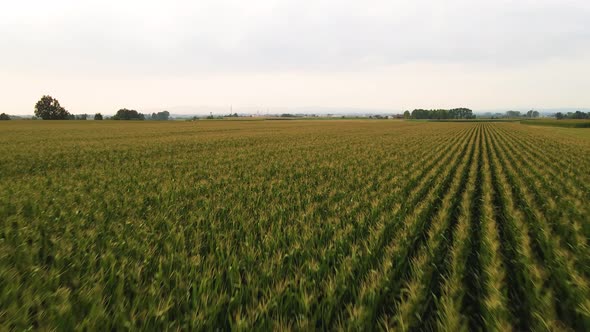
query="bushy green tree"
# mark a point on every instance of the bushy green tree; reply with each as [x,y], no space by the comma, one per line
[572,115]
[164,116]
[455,113]
[4,116]
[48,108]
[513,114]
[125,114]
[97,116]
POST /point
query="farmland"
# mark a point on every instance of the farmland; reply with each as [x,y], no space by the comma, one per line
[296,224]
[558,123]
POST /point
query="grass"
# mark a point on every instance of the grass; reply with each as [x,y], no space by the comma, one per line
[305,225]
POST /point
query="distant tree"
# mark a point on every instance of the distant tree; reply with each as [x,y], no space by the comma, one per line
[559,116]
[97,116]
[82,117]
[4,117]
[48,108]
[455,113]
[125,114]
[513,114]
[536,114]
[419,114]
[164,116]
[579,115]
[407,115]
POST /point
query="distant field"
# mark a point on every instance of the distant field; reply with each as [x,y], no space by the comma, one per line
[271,225]
[464,120]
[558,123]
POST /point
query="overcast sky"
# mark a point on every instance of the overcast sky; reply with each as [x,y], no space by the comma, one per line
[99,56]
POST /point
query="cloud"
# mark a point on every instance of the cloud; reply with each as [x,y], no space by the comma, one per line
[184,37]
[98,56]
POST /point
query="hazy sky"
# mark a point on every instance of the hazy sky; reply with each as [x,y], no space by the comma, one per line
[99,56]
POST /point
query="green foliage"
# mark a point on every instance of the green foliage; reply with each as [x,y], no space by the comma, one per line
[48,108]
[572,115]
[303,225]
[125,114]
[162,116]
[513,114]
[455,113]
[97,116]
[558,123]
[4,116]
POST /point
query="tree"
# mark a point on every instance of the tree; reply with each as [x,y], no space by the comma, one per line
[48,108]
[125,114]
[536,114]
[4,116]
[455,113]
[406,114]
[164,116]
[82,117]
[97,116]
[513,114]
[579,115]
[559,116]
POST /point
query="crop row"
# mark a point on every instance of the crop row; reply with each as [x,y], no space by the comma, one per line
[299,225]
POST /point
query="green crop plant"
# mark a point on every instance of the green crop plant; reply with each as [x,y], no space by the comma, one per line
[294,225]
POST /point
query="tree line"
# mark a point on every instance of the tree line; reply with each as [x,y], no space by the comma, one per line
[454,113]
[518,114]
[558,115]
[49,108]
[572,115]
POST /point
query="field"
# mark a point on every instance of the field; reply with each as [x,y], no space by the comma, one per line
[558,123]
[303,225]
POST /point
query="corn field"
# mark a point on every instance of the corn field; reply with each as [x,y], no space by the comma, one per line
[293,225]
